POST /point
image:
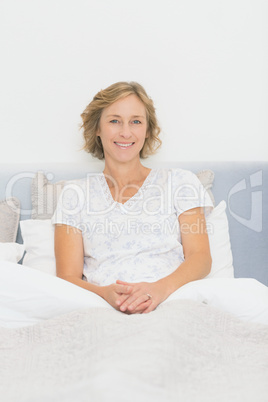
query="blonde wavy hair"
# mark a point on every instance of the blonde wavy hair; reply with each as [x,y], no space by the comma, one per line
[92,114]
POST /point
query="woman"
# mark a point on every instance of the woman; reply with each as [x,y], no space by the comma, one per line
[130,234]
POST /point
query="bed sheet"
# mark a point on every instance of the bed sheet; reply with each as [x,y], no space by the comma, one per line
[28,296]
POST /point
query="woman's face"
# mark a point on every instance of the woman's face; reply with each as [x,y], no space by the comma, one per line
[123,129]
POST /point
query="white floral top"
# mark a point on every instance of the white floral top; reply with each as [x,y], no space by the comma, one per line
[135,241]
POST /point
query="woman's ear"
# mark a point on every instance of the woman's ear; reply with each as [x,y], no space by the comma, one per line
[97,132]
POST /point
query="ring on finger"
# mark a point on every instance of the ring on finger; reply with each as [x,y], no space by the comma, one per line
[148,294]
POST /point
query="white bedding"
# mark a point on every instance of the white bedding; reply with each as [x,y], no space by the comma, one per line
[207,342]
[183,351]
[28,296]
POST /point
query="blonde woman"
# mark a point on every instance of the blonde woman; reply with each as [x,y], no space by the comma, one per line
[130,234]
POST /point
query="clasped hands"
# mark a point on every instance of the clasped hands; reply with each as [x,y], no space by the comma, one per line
[133,298]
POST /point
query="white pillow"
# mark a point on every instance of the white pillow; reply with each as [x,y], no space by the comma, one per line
[12,252]
[38,237]
[38,240]
[219,241]
[246,298]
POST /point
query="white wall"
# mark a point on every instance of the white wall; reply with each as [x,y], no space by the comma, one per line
[203,62]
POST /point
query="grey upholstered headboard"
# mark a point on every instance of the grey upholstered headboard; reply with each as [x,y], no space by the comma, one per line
[243,185]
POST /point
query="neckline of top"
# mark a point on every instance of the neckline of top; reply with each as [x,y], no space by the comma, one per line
[108,195]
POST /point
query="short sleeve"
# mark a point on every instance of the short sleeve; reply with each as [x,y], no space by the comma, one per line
[188,192]
[70,206]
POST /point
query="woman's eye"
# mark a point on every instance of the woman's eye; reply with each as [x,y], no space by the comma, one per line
[114,121]
[136,122]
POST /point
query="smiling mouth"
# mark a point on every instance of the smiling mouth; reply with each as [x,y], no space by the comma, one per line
[124,145]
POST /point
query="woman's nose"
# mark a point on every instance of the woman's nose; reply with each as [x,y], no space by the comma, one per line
[126,131]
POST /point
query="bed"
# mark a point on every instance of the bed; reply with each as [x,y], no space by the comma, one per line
[208,341]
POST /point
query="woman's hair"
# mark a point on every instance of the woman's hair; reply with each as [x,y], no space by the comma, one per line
[92,114]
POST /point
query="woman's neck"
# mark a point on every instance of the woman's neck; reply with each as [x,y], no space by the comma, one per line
[125,174]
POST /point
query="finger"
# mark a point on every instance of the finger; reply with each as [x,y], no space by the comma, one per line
[133,301]
[141,308]
[121,299]
[149,309]
[123,289]
[122,282]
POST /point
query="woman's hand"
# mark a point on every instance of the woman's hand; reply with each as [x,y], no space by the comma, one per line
[143,298]
[116,292]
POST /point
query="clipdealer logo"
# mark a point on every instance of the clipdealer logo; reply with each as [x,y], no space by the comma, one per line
[255,220]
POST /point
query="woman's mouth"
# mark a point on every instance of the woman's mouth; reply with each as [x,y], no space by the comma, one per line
[124,145]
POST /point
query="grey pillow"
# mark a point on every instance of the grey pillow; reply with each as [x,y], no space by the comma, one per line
[45,194]
[9,219]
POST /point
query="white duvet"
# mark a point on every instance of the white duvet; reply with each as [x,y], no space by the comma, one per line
[28,296]
[206,342]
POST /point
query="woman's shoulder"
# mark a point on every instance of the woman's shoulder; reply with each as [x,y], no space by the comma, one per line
[80,187]
[176,174]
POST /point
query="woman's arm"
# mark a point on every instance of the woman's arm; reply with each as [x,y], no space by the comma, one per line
[196,266]
[196,250]
[69,253]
